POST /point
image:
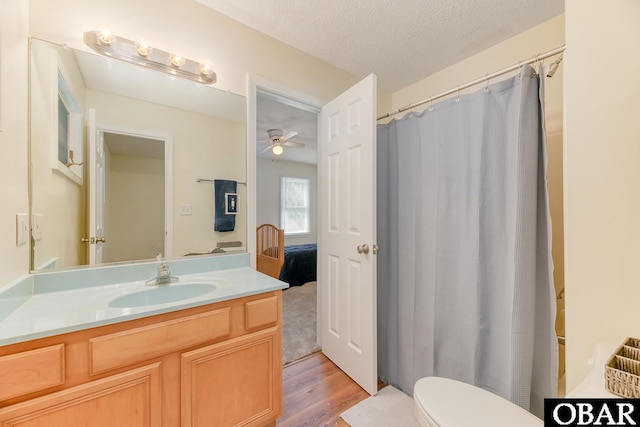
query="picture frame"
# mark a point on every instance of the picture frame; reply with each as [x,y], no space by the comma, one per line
[230,203]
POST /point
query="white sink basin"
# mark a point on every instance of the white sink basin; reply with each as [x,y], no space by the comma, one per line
[162,294]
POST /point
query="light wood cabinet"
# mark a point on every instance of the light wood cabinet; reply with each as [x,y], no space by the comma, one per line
[129,399]
[214,365]
[30,371]
[238,375]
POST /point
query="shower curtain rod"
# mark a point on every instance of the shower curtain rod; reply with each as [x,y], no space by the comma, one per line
[486,78]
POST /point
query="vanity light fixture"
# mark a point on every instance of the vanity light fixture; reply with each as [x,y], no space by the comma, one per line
[206,69]
[105,36]
[105,42]
[143,48]
[177,61]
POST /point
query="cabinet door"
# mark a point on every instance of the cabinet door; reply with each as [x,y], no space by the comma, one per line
[129,399]
[236,382]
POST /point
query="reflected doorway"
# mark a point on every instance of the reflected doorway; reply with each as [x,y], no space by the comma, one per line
[134,201]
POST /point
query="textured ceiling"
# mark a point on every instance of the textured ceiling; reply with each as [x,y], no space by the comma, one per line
[401,41]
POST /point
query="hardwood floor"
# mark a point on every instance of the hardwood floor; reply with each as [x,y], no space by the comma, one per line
[316,392]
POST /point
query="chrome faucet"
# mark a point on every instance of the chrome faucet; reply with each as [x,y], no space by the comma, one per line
[164,276]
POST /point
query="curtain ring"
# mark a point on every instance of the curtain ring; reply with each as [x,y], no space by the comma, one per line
[457,93]
[430,104]
[536,64]
[521,66]
[486,83]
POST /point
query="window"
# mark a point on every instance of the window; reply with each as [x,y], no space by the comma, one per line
[294,205]
[63,131]
[68,143]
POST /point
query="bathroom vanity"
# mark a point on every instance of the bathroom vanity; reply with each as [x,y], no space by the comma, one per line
[206,360]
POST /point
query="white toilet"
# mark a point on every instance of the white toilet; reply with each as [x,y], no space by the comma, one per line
[442,402]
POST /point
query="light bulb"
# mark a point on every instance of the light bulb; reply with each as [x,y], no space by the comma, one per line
[105,36]
[277,150]
[143,48]
[206,69]
[177,60]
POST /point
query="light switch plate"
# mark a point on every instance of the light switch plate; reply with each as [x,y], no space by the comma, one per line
[36,224]
[185,210]
[22,229]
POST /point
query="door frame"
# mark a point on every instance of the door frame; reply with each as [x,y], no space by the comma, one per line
[168,173]
[284,94]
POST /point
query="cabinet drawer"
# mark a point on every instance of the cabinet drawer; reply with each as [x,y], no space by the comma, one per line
[31,371]
[135,345]
[261,312]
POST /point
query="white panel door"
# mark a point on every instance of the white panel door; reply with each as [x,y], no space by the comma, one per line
[97,186]
[347,232]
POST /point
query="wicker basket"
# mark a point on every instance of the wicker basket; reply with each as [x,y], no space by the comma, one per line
[622,371]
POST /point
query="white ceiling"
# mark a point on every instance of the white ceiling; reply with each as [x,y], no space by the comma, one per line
[134,146]
[401,41]
[272,114]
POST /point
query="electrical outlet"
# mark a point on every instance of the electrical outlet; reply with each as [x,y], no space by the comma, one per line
[22,229]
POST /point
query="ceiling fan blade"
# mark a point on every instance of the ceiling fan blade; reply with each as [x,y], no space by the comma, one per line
[294,144]
[266,149]
[289,135]
[263,141]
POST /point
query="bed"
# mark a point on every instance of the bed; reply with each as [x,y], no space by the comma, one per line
[293,264]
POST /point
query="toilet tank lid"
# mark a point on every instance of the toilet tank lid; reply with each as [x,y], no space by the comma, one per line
[452,403]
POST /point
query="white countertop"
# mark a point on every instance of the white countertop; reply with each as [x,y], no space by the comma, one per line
[52,313]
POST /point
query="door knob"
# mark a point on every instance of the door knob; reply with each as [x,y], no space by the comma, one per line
[93,240]
[363,249]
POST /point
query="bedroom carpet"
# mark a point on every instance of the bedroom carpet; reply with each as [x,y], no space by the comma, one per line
[299,322]
[390,407]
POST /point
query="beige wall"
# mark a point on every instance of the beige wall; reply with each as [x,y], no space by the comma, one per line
[195,31]
[198,32]
[14,261]
[203,147]
[55,196]
[602,174]
[601,199]
[268,193]
[134,209]
[541,38]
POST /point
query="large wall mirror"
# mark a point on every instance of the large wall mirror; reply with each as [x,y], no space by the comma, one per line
[123,162]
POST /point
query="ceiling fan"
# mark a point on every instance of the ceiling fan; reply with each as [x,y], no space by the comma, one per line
[278,139]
